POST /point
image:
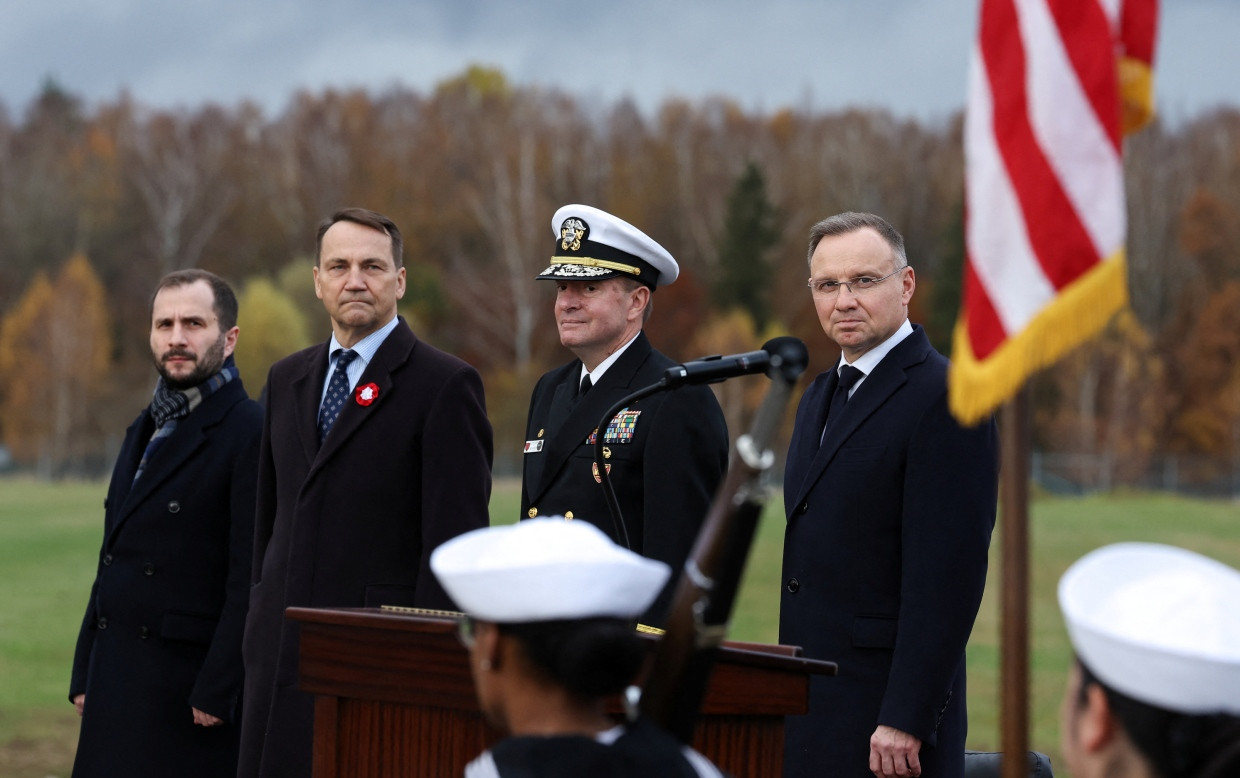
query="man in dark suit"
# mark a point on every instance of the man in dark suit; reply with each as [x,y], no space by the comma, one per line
[890,505]
[666,454]
[376,448]
[157,672]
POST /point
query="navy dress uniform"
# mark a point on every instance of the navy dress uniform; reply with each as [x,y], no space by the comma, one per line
[666,454]
[526,580]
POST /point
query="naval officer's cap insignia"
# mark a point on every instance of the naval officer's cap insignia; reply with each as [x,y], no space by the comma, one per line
[572,232]
[593,245]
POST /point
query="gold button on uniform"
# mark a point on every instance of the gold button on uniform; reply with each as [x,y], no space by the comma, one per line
[568,515]
[532,512]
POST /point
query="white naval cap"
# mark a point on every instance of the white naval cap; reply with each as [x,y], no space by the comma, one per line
[543,570]
[1157,623]
[591,244]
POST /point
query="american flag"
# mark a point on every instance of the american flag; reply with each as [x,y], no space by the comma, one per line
[1054,86]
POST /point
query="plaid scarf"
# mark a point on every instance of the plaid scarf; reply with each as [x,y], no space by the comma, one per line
[169,406]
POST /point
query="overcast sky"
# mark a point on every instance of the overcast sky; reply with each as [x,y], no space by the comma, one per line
[906,55]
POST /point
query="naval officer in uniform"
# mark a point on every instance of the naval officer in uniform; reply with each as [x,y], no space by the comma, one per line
[666,454]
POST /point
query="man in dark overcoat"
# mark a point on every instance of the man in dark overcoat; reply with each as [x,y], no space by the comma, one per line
[376,448]
[890,504]
[157,673]
[667,453]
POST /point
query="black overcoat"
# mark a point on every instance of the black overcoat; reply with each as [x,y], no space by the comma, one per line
[889,523]
[162,631]
[353,523]
[666,461]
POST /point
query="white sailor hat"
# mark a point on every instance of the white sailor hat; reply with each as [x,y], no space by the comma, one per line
[1157,623]
[592,245]
[545,569]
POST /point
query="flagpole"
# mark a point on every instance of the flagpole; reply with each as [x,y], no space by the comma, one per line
[1016,443]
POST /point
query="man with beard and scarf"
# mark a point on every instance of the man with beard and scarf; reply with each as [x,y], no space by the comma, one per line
[157,674]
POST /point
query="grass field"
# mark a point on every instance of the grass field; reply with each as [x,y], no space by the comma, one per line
[49,536]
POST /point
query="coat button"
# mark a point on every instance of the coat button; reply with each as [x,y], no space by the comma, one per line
[803,508]
[148,568]
[793,585]
[144,633]
[102,622]
[532,512]
[174,507]
[107,559]
[568,515]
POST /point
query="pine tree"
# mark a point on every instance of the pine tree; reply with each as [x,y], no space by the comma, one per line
[946,286]
[750,230]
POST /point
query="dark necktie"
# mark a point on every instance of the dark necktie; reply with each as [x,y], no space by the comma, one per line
[585,386]
[849,376]
[337,393]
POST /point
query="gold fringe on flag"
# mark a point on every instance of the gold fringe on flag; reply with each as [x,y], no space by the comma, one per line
[1136,93]
[977,388]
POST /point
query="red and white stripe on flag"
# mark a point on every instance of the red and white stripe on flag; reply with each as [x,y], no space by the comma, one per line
[1053,86]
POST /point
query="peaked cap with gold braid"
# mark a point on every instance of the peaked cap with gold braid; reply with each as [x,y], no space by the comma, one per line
[593,245]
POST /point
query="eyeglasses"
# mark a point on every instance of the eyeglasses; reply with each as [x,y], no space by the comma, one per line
[830,288]
[465,631]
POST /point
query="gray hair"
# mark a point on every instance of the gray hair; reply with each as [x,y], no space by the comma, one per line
[851,221]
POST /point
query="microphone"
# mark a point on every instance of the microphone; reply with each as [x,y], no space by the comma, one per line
[781,353]
[789,357]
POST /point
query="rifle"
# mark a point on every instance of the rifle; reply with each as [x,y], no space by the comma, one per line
[706,591]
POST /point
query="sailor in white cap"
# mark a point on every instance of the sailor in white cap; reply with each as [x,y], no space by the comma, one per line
[549,622]
[665,455]
[1156,687]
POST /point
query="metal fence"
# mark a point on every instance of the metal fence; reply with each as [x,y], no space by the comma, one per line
[1189,474]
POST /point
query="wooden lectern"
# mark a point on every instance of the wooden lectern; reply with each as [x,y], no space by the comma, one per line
[394,697]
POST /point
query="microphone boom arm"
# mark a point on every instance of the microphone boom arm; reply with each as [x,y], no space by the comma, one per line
[600,463]
[706,591]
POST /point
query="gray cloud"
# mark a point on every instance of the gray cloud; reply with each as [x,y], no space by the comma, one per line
[907,55]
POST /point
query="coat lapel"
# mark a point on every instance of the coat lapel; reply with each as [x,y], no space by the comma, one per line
[883,382]
[581,421]
[562,402]
[391,356]
[561,406]
[191,434]
[813,435]
[307,392]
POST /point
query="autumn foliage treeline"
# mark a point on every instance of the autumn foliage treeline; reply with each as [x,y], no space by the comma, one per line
[98,201]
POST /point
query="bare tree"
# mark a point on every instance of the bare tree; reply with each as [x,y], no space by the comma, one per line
[178,165]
